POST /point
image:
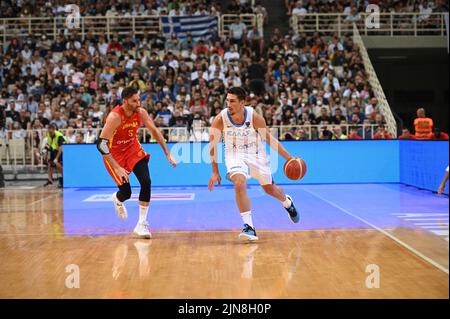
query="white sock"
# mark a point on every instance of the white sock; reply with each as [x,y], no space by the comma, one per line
[143,210]
[247,218]
[287,203]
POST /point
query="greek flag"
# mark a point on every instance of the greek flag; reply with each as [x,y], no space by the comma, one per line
[198,26]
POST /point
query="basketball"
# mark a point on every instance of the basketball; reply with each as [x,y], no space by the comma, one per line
[295,169]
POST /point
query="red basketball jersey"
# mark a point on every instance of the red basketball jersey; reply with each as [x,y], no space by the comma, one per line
[125,136]
[124,145]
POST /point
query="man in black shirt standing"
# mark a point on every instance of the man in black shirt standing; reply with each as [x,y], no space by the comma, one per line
[256,74]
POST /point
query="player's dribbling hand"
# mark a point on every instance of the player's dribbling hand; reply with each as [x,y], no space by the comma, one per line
[288,158]
[171,160]
[123,174]
[215,178]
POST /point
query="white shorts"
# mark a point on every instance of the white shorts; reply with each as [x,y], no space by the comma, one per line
[258,168]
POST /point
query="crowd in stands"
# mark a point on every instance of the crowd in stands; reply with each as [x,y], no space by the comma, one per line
[353,7]
[294,80]
[57,8]
[46,8]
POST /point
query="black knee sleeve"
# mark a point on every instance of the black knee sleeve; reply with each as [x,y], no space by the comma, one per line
[146,191]
[124,192]
[142,173]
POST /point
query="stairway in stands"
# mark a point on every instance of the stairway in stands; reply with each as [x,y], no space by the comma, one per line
[277,17]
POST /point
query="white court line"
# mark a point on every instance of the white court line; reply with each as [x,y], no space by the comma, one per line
[435,227]
[418,253]
[439,232]
[431,224]
[405,215]
[419,219]
[42,199]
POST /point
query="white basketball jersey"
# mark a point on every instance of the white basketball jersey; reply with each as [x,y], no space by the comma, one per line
[241,140]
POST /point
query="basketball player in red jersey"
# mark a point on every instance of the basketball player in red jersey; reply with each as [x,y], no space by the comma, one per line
[123,154]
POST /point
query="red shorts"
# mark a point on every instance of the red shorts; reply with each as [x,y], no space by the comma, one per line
[127,160]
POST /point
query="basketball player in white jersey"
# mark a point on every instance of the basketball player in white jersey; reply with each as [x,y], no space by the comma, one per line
[244,131]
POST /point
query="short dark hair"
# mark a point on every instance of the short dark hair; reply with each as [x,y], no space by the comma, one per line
[238,91]
[128,92]
[52,126]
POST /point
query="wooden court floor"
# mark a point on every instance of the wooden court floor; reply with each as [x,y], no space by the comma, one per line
[37,260]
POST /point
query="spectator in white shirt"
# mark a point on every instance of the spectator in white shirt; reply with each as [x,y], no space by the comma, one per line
[26,53]
[371,106]
[199,73]
[35,65]
[70,135]
[331,79]
[18,132]
[353,16]
[231,55]
[237,32]
[232,78]
[102,46]
[299,10]
[60,67]
[176,11]
[217,64]
[335,45]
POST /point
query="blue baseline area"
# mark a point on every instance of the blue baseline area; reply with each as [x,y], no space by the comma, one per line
[423,163]
[327,162]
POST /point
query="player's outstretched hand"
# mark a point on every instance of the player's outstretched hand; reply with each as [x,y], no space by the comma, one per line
[215,178]
[440,190]
[171,160]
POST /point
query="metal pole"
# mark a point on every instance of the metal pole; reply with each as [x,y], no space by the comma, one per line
[339,25]
[82,28]
[415,25]
[392,24]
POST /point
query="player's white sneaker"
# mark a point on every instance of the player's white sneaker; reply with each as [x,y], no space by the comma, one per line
[248,233]
[121,210]
[141,230]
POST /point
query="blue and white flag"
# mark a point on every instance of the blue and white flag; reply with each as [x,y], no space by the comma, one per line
[198,26]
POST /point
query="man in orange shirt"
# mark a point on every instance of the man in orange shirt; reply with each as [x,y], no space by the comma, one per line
[423,125]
